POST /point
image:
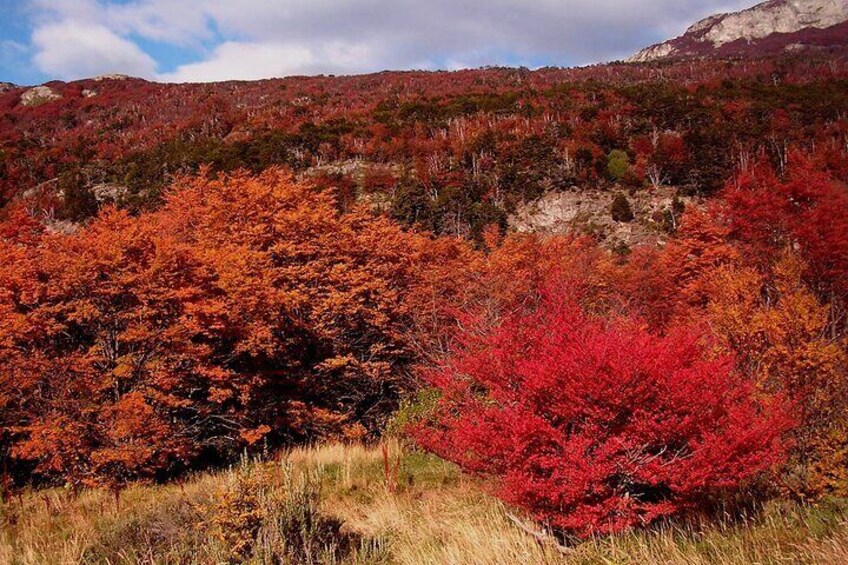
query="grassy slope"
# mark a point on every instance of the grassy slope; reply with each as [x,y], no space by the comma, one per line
[331,505]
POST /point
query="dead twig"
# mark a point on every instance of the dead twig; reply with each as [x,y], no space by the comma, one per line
[541,536]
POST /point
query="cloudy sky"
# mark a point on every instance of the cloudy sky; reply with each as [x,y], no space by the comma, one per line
[209,40]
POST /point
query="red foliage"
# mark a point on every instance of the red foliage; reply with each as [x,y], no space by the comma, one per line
[808,210]
[597,427]
[227,313]
[447,142]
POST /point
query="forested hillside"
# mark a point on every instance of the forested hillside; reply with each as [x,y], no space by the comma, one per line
[449,152]
[615,296]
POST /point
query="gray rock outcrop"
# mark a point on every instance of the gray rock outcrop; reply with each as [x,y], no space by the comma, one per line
[751,25]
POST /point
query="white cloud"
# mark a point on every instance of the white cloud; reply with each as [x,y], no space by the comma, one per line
[244,61]
[234,60]
[263,38]
[72,50]
[9,49]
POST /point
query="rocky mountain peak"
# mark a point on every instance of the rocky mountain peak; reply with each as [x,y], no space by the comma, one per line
[771,25]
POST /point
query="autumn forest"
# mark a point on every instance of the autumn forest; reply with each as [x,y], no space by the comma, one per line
[194,275]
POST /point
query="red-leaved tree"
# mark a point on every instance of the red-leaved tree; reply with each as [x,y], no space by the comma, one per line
[806,211]
[595,427]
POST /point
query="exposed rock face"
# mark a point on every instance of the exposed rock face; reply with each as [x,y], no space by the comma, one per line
[589,212]
[39,95]
[113,76]
[108,193]
[359,170]
[4,86]
[654,52]
[776,24]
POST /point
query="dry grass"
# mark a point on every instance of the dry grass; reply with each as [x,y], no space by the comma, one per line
[330,504]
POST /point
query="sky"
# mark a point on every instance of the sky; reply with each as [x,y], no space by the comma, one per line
[213,40]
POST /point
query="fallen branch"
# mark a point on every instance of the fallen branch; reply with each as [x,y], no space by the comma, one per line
[541,536]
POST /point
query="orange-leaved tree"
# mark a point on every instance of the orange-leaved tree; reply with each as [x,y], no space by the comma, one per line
[247,309]
[781,333]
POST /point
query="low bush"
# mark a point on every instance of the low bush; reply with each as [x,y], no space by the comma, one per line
[595,427]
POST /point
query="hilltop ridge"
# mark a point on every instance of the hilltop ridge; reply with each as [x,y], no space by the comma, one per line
[769,27]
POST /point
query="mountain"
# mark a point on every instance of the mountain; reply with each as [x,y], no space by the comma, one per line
[767,28]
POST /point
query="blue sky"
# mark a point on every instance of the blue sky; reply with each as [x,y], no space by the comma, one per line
[207,40]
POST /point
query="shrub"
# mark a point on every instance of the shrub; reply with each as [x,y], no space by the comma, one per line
[621,210]
[781,335]
[237,515]
[595,428]
[272,514]
[618,164]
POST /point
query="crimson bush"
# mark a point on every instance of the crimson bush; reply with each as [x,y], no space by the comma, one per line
[595,427]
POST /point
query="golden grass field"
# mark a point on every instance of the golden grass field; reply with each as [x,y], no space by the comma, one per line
[332,504]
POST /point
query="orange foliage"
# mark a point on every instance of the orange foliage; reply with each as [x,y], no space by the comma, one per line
[665,285]
[247,308]
[483,288]
[761,305]
[255,310]
[781,333]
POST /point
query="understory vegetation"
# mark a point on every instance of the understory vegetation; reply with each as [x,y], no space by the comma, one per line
[332,504]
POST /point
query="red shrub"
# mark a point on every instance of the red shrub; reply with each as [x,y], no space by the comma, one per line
[594,427]
[807,211]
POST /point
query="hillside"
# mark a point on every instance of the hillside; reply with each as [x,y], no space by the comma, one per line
[767,28]
[567,315]
[449,152]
